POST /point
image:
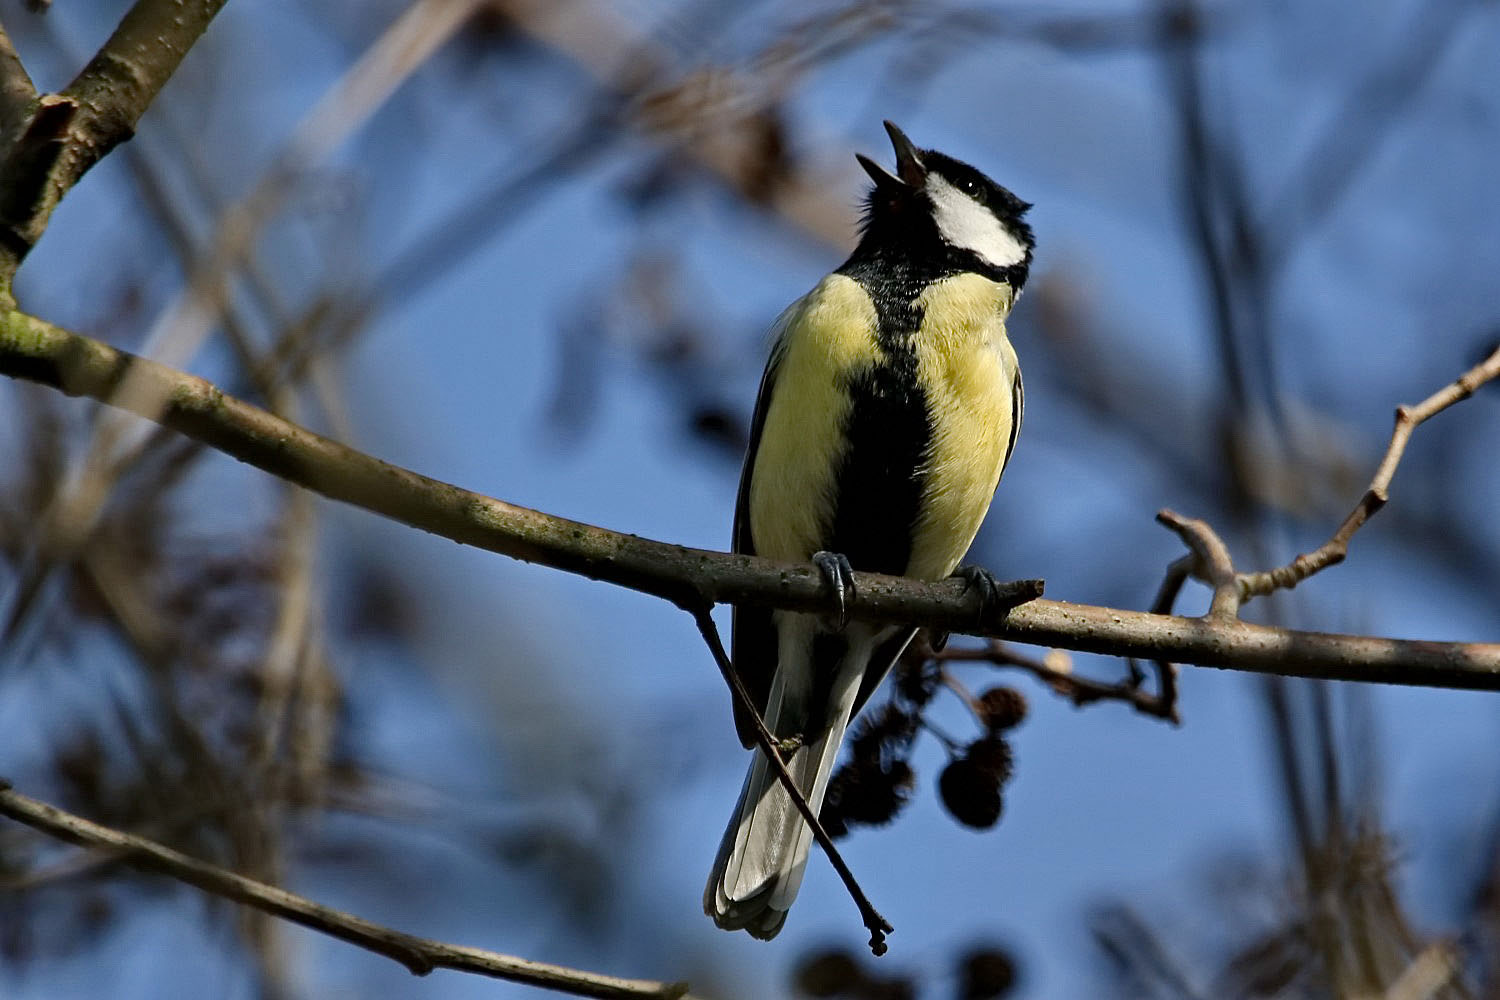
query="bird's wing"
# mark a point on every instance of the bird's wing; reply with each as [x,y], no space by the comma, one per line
[753,638]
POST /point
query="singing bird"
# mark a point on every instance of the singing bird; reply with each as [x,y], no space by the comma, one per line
[887,411]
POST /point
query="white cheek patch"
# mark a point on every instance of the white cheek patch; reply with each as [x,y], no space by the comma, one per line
[965,223]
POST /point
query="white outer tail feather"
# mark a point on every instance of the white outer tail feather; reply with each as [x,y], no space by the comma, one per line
[764,853]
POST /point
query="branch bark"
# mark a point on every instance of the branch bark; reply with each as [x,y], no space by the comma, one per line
[35,350]
[68,132]
[419,955]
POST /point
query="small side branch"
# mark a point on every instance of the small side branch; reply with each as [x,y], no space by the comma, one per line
[419,955]
[1333,551]
[1079,690]
[874,922]
[1209,559]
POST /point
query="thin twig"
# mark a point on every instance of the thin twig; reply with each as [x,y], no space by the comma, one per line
[1162,604]
[874,922]
[33,349]
[419,955]
[1333,551]
[1428,974]
[1079,690]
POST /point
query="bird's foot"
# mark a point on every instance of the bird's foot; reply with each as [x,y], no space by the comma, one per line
[979,579]
[839,576]
[789,745]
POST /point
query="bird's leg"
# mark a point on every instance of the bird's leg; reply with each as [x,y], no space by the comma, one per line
[839,575]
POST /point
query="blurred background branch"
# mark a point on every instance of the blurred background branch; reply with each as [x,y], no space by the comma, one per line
[419,955]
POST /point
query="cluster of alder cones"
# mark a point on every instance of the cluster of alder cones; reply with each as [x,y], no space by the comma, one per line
[876,780]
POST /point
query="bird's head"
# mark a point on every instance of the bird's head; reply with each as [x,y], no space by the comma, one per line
[937,205]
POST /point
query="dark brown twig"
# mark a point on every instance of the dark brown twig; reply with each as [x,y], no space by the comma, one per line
[874,922]
[419,955]
[1079,690]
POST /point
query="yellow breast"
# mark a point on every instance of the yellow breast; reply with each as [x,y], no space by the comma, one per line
[969,371]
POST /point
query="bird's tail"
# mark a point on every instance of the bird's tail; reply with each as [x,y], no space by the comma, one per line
[764,852]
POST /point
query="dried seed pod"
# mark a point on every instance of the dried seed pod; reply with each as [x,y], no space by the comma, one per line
[1001,708]
[971,793]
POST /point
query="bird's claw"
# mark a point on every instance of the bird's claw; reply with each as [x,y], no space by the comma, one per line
[839,576]
[979,579]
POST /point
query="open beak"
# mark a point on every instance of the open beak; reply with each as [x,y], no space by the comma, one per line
[910,173]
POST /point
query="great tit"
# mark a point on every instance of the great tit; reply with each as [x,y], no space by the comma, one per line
[887,411]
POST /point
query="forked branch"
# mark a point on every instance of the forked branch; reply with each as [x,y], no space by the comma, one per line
[1209,560]
[1333,551]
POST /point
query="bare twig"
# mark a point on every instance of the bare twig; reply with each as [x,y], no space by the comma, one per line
[1166,598]
[1211,562]
[1333,551]
[874,922]
[419,955]
[33,349]
[1078,690]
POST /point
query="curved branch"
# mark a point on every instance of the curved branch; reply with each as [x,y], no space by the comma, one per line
[33,349]
[419,955]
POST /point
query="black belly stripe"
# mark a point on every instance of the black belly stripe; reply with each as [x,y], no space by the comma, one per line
[887,435]
[879,486]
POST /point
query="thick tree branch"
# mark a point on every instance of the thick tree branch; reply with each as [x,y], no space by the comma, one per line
[33,349]
[420,955]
